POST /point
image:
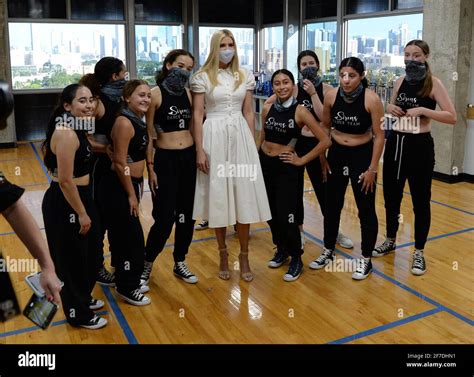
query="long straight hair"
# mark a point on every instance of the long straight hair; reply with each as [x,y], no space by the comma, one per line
[425,91]
[211,66]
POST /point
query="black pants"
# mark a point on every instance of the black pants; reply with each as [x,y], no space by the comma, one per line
[408,157]
[125,231]
[304,145]
[281,183]
[100,168]
[349,163]
[75,256]
[173,202]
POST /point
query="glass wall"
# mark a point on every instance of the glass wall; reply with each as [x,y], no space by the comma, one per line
[272,58]
[322,39]
[152,44]
[44,55]
[243,37]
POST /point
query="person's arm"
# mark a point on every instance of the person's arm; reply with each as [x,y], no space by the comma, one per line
[122,133]
[150,116]
[198,117]
[25,226]
[391,107]
[315,100]
[375,107]
[304,117]
[270,100]
[265,110]
[98,114]
[447,114]
[66,144]
[247,111]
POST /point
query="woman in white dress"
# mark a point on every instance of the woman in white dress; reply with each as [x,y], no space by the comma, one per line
[229,188]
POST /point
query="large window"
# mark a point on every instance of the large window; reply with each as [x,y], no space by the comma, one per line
[366,6]
[243,38]
[153,43]
[322,39]
[54,55]
[272,58]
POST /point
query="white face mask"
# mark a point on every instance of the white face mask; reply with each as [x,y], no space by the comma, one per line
[226,56]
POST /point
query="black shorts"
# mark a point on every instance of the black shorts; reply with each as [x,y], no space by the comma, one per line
[9,193]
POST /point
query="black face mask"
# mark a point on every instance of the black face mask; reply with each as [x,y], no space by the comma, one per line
[176,80]
[415,71]
[311,74]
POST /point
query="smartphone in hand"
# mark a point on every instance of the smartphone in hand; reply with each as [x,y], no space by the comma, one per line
[40,311]
[33,281]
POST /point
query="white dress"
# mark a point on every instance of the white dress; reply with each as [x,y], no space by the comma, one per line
[234,190]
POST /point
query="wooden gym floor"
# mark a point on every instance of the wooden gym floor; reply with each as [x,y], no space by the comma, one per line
[391,306]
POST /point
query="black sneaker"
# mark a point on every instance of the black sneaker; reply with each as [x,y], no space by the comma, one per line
[95,323]
[96,304]
[363,269]
[145,278]
[295,270]
[181,271]
[204,224]
[105,277]
[135,297]
[387,247]
[418,266]
[321,261]
[278,259]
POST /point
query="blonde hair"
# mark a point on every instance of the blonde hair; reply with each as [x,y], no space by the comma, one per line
[211,66]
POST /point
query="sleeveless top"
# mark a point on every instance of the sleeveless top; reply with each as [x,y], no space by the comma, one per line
[281,127]
[351,118]
[304,99]
[139,142]
[82,158]
[174,113]
[408,97]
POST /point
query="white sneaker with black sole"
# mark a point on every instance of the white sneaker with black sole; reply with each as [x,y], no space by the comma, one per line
[385,248]
[204,224]
[135,297]
[326,257]
[363,269]
[95,323]
[418,266]
[96,304]
[181,271]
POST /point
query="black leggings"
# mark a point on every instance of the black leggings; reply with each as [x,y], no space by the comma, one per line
[173,202]
[408,157]
[100,168]
[349,163]
[125,231]
[281,183]
[304,145]
[75,256]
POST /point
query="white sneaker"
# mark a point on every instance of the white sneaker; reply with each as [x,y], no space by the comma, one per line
[344,241]
[96,304]
[135,297]
[95,323]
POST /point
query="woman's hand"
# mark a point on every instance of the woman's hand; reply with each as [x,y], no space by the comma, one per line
[85,223]
[291,158]
[202,161]
[110,151]
[395,111]
[415,112]
[152,180]
[133,201]
[51,285]
[368,179]
[309,87]
[325,168]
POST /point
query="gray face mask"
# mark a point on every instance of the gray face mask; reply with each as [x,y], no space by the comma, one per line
[415,71]
[352,96]
[311,74]
[176,80]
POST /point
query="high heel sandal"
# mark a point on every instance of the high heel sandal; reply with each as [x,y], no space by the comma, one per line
[224,274]
[246,276]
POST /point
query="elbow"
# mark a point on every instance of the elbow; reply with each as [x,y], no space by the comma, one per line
[453,119]
[65,183]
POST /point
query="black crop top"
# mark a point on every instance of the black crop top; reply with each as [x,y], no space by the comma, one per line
[174,113]
[103,126]
[351,118]
[304,99]
[408,97]
[139,142]
[281,127]
[82,158]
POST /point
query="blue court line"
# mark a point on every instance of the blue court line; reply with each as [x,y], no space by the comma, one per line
[41,162]
[387,326]
[120,317]
[436,237]
[35,328]
[401,285]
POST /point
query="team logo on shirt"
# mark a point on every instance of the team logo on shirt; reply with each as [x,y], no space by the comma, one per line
[176,113]
[272,124]
[411,102]
[306,103]
[342,119]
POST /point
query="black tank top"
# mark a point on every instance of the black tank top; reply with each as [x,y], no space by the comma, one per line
[103,126]
[408,97]
[138,143]
[351,118]
[174,113]
[304,99]
[281,127]
[82,158]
